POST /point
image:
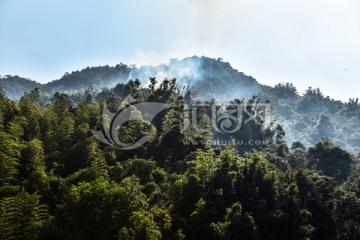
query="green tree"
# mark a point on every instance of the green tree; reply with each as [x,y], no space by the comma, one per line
[9,159]
[98,209]
[331,159]
[23,217]
[237,225]
[33,166]
[142,227]
[30,110]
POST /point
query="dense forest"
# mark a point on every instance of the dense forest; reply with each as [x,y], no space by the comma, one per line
[307,116]
[58,181]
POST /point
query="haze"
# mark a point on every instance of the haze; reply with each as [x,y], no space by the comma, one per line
[308,43]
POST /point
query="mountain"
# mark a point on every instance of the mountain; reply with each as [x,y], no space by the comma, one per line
[211,78]
[15,86]
[96,77]
[306,118]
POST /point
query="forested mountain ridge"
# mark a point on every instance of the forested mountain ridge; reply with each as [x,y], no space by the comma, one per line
[212,77]
[306,117]
[57,181]
[15,86]
[97,77]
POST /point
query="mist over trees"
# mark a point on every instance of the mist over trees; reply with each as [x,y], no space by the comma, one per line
[307,116]
[57,181]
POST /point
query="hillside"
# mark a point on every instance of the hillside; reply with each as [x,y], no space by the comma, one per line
[96,77]
[211,78]
[305,118]
[15,86]
[59,181]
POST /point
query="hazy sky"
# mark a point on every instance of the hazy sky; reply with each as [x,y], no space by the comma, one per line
[307,42]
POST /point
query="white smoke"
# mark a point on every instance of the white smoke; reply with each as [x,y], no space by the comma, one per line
[186,71]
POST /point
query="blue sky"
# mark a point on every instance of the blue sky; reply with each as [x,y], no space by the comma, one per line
[309,42]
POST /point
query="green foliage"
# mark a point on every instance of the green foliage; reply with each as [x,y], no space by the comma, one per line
[9,159]
[98,209]
[23,217]
[142,226]
[33,166]
[237,225]
[204,165]
[331,160]
[57,181]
